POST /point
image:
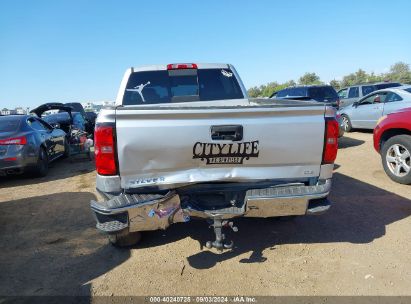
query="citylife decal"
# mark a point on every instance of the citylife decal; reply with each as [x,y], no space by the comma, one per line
[233,153]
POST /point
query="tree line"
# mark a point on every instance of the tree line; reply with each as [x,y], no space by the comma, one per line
[399,72]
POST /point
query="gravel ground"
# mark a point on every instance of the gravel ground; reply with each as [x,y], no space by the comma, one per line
[362,246]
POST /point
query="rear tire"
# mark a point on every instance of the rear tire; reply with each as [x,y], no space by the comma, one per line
[346,123]
[42,167]
[124,239]
[395,155]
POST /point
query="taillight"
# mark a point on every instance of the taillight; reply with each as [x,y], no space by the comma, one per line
[10,159]
[338,103]
[104,150]
[14,141]
[177,66]
[330,141]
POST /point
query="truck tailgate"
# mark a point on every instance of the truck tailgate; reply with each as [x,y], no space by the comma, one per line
[171,147]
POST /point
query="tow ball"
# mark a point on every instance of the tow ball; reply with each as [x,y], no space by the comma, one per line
[220,242]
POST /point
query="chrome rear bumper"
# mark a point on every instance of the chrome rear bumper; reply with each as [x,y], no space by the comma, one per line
[284,200]
[140,212]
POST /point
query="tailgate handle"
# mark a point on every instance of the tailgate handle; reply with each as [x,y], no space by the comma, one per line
[227,132]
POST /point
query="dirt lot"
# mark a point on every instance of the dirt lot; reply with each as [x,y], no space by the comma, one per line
[362,246]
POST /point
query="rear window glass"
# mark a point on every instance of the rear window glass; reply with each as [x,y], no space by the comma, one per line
[392,97]
[9,124]
[292,92]
[281,93]
[154,87]
[36,124]
[388,85]
[354,92]
[323,94]
[367,90]
[343,93]
[297,92]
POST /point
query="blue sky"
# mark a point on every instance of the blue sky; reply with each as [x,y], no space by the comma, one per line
[78,50]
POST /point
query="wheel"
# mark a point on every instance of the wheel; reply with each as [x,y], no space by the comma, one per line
[124,239]
[395,155]
[42,167]
[346,123]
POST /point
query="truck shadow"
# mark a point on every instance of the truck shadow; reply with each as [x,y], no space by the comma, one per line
[49,246]
[369,131]
[360,214]
[348,142]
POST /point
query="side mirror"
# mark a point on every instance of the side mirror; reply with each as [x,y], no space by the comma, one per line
[355,104]
[377,99]
[56,125]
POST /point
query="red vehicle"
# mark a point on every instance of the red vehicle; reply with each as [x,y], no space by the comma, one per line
[392,139]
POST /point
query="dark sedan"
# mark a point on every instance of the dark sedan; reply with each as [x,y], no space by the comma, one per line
[320,93]
[29,144]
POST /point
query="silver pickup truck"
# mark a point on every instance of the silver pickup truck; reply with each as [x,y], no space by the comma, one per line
[184,141]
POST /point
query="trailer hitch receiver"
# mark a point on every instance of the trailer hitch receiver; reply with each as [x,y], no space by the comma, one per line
[220,242]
